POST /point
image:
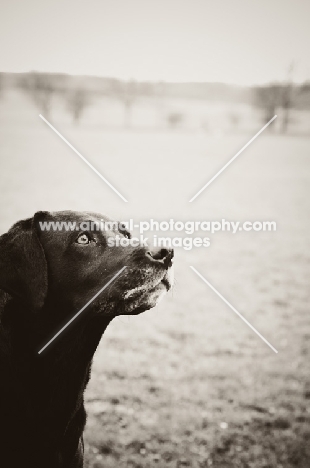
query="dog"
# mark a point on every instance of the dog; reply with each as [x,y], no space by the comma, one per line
[46,277]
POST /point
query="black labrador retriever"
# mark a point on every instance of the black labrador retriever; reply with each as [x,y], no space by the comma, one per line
[45,278]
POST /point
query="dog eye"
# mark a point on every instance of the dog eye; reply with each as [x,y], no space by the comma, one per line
[83,239]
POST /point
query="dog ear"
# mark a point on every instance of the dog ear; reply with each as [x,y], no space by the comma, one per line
[23,267]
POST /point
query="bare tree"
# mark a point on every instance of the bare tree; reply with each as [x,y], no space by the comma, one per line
[41,88]
[78,100]
[287,98]
[128,94]
[273,96]
[269,99]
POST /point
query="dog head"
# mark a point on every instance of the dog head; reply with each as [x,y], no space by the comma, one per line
[70,265]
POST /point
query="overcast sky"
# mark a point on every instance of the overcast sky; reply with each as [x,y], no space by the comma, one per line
[234,41]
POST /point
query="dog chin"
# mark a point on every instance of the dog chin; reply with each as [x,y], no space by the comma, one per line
[146,301]
[144,298]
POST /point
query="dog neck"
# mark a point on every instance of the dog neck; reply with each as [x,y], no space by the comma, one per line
[48,387]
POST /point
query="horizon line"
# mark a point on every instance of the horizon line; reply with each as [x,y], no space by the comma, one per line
[155,80]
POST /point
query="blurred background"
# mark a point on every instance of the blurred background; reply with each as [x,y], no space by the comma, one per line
[158,96]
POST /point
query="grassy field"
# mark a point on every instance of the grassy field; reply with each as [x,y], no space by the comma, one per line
[187,384]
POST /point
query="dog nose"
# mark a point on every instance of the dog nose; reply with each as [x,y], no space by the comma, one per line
[163,256]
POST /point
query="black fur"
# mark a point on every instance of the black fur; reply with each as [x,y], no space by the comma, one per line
[45,278]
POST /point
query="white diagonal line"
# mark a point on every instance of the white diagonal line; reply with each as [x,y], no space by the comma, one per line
[232,159]
[234,310]
[83,308]
[83,158]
